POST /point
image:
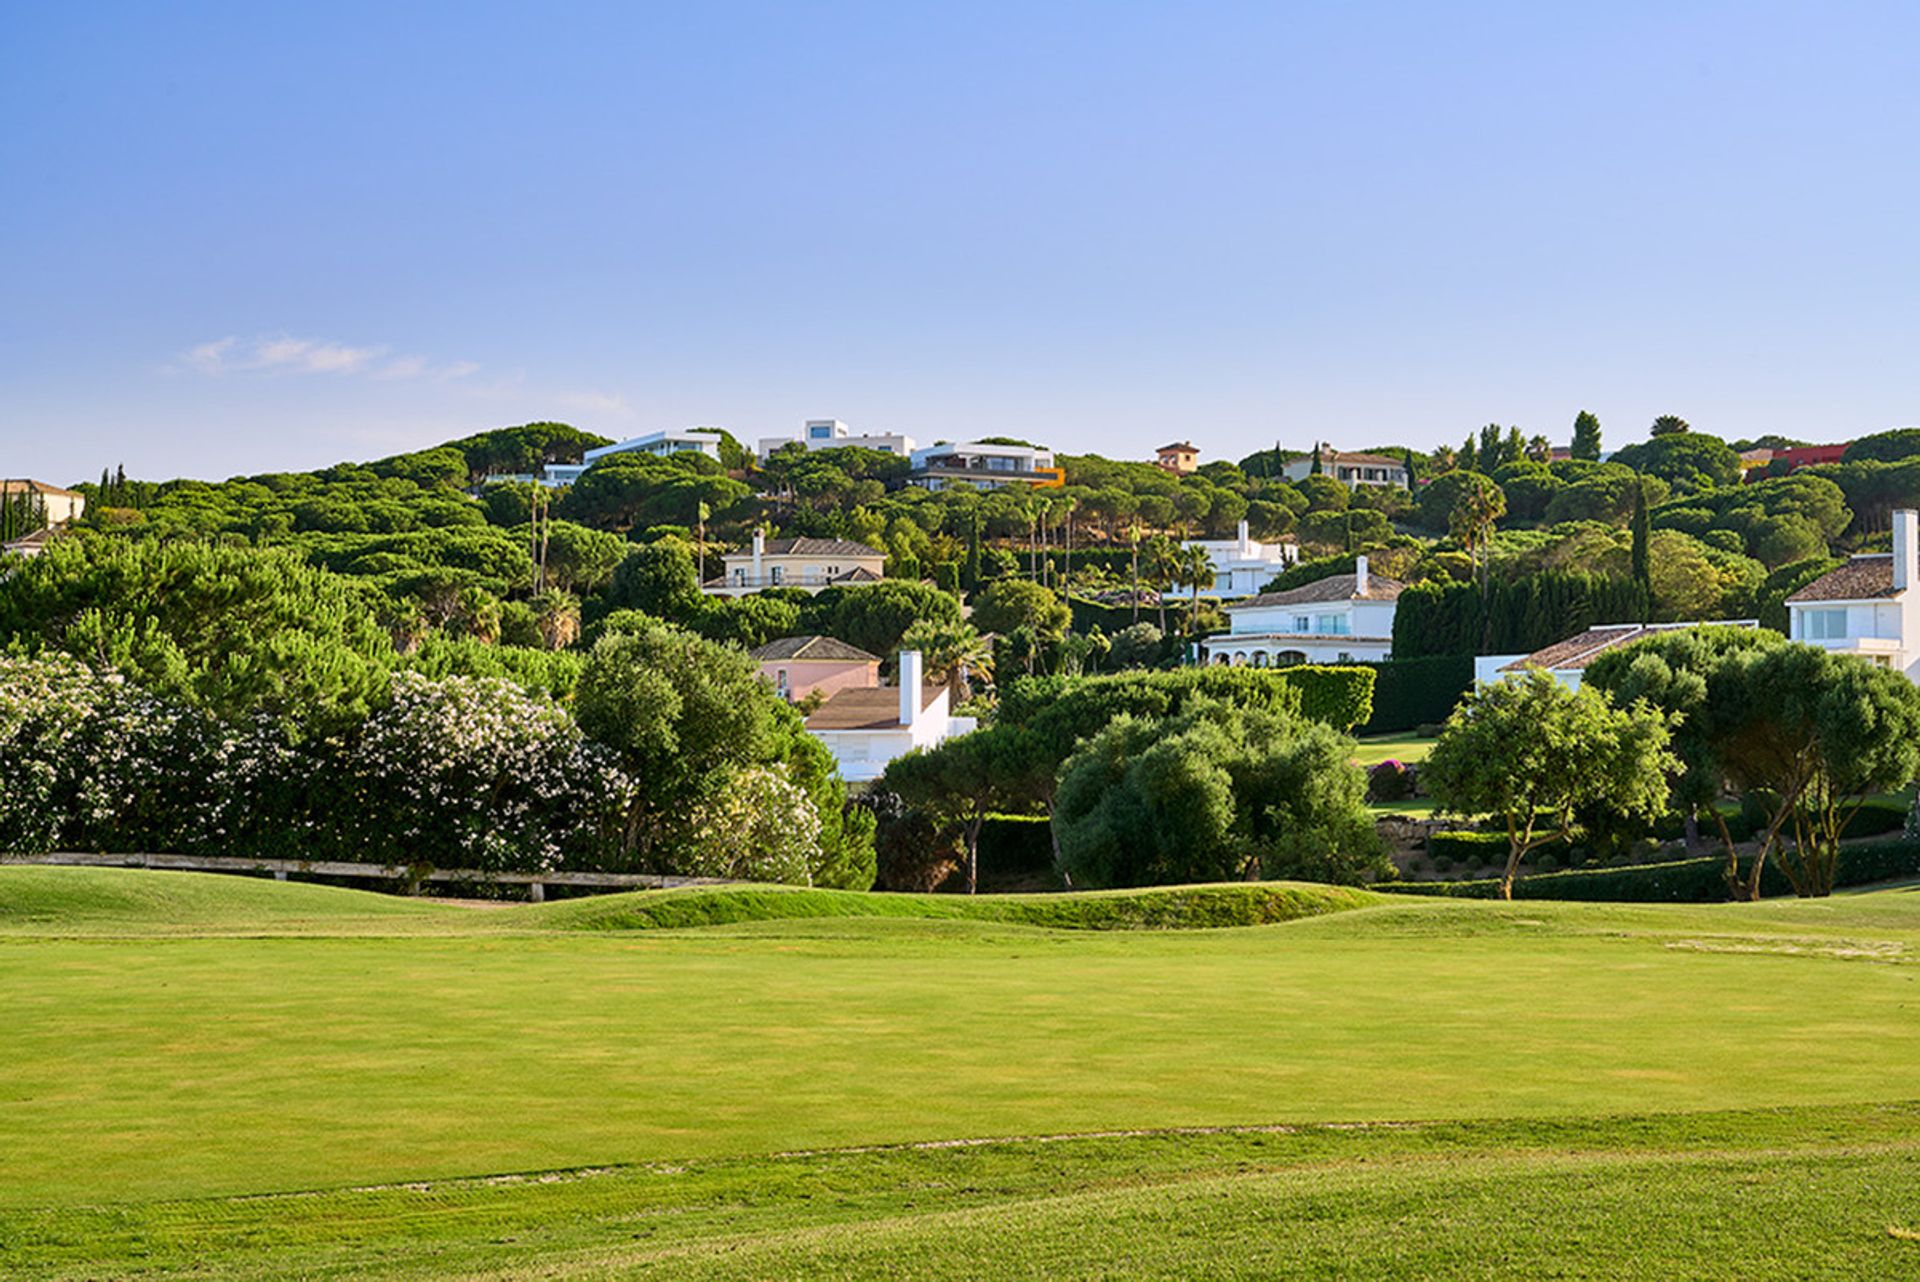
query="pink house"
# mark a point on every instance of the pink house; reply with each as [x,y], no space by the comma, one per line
[798,666]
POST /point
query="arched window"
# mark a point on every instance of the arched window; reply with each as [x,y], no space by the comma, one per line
[1287,658]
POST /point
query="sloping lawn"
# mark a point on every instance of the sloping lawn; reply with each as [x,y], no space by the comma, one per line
[1463,1088]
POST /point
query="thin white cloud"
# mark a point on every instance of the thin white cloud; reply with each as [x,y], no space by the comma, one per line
[285,354]
[593,402]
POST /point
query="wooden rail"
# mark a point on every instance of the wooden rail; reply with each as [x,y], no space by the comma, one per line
[536,882]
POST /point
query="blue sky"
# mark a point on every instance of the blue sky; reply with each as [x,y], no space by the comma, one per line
[245,237]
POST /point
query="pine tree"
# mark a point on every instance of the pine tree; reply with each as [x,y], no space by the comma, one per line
[1490,448]
[1468,461]
[1586,436]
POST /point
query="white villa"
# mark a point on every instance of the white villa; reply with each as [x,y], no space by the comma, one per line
[1869,607]
[865,728]
[832,434]
[812,564]
[1351,469]
[983,466]
[1242,566]
[1567,660]
[671,441]
[1344,618]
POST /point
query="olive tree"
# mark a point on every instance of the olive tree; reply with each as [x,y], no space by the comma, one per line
[1531,753]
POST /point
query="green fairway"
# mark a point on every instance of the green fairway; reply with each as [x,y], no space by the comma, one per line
[177,1041]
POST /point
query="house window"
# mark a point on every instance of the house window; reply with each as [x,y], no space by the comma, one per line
[776,574]
[1333,625]
[1824,625]
[1301,623]
[780,685]
[739,578]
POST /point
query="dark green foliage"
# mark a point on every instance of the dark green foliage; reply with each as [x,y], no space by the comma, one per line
[1514,616]
[1214,795]
[1007,605]
[1691,881]
[874,616]
[1462,846]
[1416,692]
[658,578]
[235,630]
[1586,436]
[1688,461]
[1885,447]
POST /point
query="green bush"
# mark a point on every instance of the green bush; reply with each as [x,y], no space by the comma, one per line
[1408,693]
[1015,845]
[1678,881]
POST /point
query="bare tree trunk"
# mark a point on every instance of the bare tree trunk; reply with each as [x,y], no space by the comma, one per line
[973,852]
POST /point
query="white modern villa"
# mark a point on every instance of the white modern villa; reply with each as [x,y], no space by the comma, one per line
[671,441]
[1344,618]
[832,434]
[983,466]
[1243,565]
[810,564]
[1869,607]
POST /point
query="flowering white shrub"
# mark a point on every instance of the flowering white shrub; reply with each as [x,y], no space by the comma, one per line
[473,772]
[758,826]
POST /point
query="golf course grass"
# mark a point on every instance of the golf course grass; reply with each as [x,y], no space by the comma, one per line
[241,1078]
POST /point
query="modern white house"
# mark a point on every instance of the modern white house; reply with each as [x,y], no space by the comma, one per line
[832,434]
[811,564]
[671,441]
[1567,660]
[983,466]
[1869,607]
[1243,565]
[865,728]
[1351,469]
[1344,618]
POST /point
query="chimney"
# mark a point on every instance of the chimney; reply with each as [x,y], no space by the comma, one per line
[1360,576]
[1906,544]
[1246,548]
[759,550]
[909,686]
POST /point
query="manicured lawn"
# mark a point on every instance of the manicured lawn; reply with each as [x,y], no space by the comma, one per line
[1399,747]
[1569,1066]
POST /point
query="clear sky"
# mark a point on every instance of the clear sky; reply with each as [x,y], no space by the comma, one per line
[248,237]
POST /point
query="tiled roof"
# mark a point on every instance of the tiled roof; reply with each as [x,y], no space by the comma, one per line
[811,647]
[19,485]
[1181,447]
[871,708]
[1336,587]
[1576,652]
[1864,578]
[814,547]
[1370,460]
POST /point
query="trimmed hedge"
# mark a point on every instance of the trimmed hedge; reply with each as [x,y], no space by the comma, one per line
[1339,697]
[1689,881]
[1416,692]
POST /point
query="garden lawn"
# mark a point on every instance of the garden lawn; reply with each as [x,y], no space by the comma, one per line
[1571,1068]
[1397,747]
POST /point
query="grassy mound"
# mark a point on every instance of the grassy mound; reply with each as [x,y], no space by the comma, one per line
[1173,908]
[45,900]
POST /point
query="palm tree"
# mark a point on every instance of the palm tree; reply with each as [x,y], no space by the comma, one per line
[954,653]
[1193,568]
[1162,553]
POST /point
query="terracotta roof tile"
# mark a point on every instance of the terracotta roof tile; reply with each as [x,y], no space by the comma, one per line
[1336,587]
[811,647]
[872,708]
[1864,578]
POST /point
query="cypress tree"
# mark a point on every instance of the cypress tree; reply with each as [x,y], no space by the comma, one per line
[1316,470]
[1642,537]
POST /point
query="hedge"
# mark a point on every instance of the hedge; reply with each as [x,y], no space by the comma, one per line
[1689,881]
[1342,697]
[1417,692]
[1089,614]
